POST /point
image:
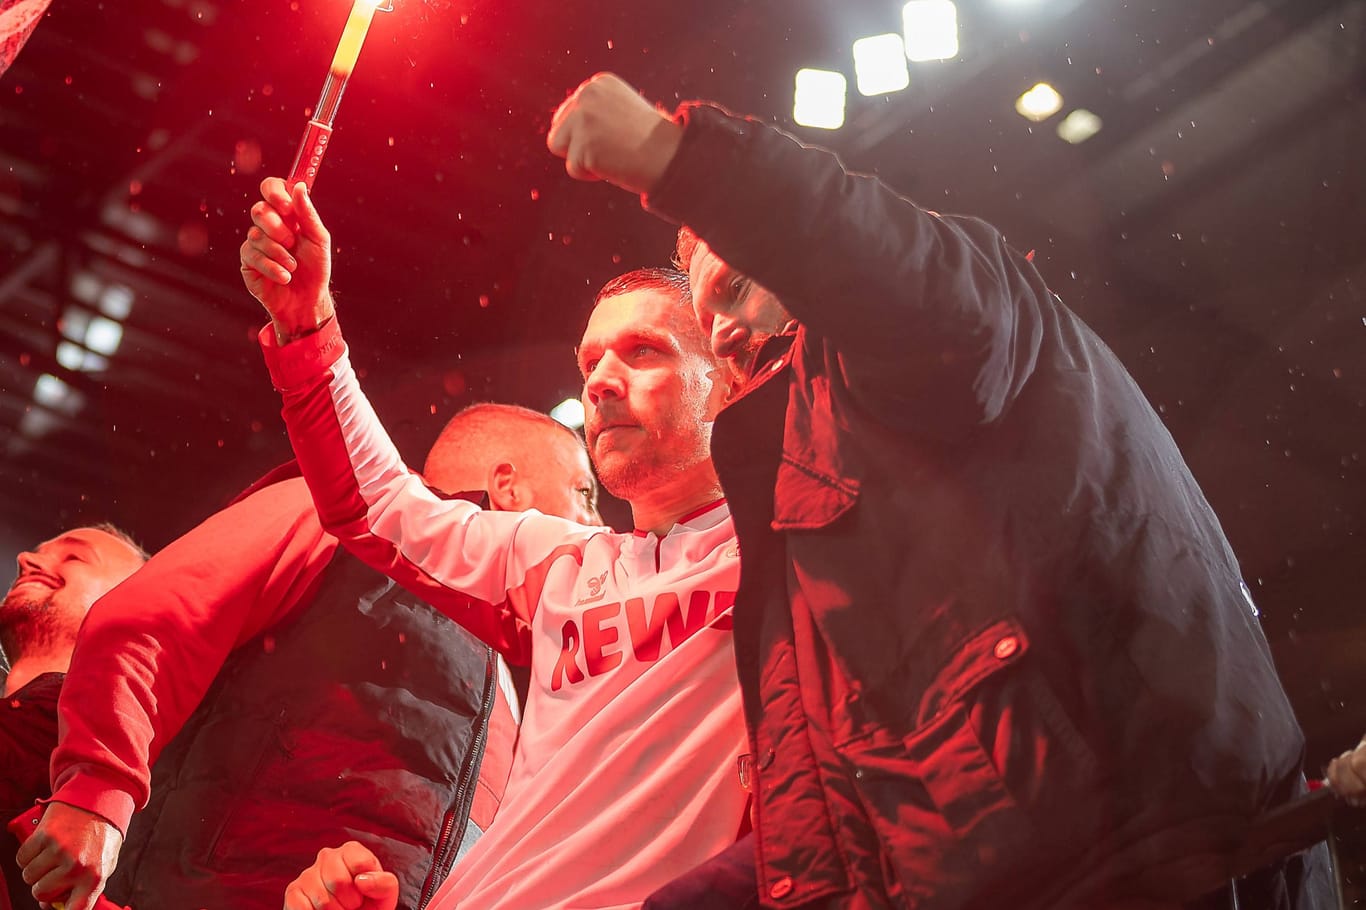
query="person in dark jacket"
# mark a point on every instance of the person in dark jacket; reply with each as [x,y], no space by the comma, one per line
[994,646]
[266,690]
[58,581]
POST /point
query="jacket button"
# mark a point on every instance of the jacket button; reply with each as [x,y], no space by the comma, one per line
[781,888]
[1007,646]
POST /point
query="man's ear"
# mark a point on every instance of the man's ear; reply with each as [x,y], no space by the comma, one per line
[502,488]
[725,385]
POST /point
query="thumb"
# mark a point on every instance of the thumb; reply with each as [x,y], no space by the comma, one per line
[561,130]
[381,887]
[310,222]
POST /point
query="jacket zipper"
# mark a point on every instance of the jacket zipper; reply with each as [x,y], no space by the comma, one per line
[448,843]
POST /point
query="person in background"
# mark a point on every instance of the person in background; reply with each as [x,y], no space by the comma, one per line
[256,688]
[58,582]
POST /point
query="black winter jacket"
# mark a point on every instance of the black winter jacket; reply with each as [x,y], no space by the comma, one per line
[994,647]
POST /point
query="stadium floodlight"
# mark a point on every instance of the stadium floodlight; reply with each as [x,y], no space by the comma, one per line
[1039,103]
[569,412]
[819,99]
[1079,126]
[931,30]
[103,336]
[880,64]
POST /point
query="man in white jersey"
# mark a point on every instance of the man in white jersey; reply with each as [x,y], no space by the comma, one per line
[625,773]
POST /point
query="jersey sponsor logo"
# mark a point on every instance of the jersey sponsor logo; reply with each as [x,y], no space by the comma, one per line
[595,590]
[594,644]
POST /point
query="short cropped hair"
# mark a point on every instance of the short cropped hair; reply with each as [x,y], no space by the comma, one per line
[115,531]
[485,432]
[661,279]
[683,322]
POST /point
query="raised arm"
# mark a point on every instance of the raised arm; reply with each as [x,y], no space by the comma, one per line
[910,300]
[483,569]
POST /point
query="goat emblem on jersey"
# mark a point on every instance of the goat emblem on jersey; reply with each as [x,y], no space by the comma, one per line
[595,589]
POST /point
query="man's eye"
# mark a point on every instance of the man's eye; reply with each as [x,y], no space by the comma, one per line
[589,366]
[738,286]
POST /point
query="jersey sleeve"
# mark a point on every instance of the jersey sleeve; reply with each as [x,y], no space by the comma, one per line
[484,569]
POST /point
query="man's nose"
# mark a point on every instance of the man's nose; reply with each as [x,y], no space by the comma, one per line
[29,562]
[728,336]
[604,381]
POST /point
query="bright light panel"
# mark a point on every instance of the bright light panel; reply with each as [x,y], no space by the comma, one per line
[103,336]
[116,302]
[37,423]
[569,412]
[75,357]
[74,324]
[51,392]
[85,287]
[880,64]
[1039,103]
[819,99]
[931,29]
[70,355]
[1079,126]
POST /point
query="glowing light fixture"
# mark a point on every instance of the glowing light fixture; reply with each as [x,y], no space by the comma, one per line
[1039,103]
[318,133]
[569,412]
[52,393]
[880,64]
[1079,126]
[116,302]
[74,357]
[931,29]
[819,99]
[74,324]
[70,355]
[103,335]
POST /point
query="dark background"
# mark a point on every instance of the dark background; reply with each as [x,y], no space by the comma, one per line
[1212,233]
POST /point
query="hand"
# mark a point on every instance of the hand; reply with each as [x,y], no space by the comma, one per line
[1347,775]
[70,856]
[606,131]
[287,259]
[348,877]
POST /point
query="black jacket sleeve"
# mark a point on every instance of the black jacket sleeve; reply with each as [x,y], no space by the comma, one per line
[936,320]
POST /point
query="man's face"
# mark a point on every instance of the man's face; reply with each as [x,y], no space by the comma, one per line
[59,580]
[561,481]
[737,314]
[648,400]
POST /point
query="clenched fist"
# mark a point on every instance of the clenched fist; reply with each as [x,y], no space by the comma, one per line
[287,259]
[1347,775]
[606,131]
[348,877]
[70,856]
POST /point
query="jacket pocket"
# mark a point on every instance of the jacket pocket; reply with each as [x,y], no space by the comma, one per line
[805,499]
[967,803]
[249,801]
